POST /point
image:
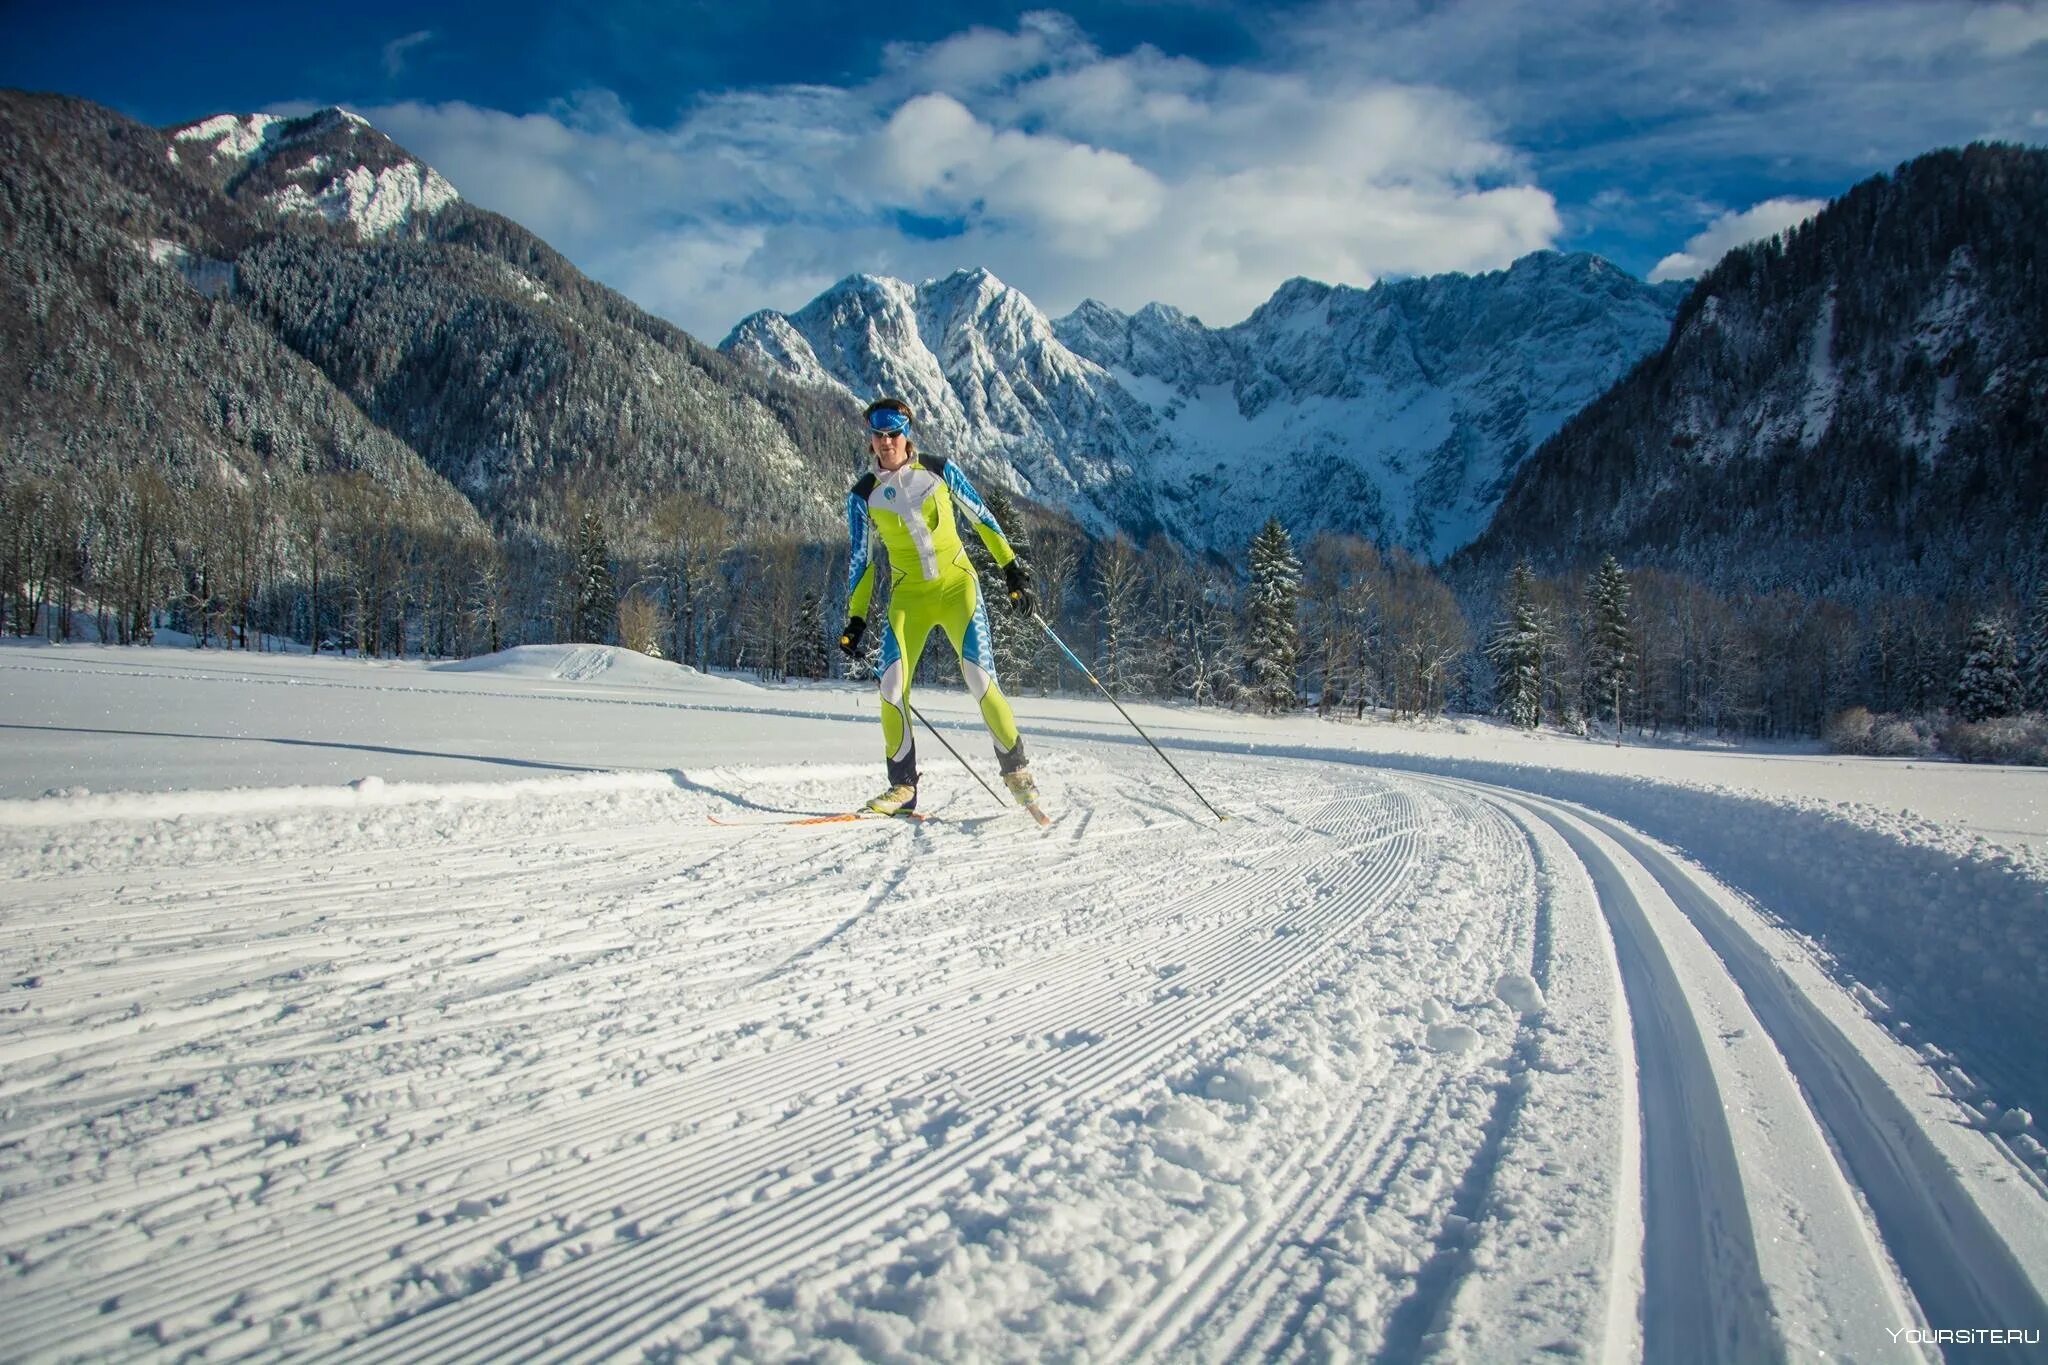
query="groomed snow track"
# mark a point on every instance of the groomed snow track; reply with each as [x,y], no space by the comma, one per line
[1398,1067]
[1890,1233]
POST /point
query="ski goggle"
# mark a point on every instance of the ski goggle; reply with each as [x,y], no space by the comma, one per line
[888,422]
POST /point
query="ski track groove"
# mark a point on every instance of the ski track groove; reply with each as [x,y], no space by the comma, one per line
[1929,1249]
[1106,1075]
[371,1180]
[1954,1264]
[1342,1169]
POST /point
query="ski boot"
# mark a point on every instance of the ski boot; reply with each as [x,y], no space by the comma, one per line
[900,799]
[1022,788]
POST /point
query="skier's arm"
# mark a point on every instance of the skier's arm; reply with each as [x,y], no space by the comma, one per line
[985,523]
[860,567]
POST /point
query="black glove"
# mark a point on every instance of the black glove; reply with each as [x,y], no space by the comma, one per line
[1017,574]
[849,639]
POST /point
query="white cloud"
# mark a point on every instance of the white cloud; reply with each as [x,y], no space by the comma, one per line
[1623,89]
[1083,198]
[2008,30]
[396,51]
[982,59]
[1133,178]
[1731,230]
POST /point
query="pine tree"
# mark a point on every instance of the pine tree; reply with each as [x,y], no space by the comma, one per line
[1989,685]
[1518,648]
[1273,634]
[593,595]
[2034,654]
[1613,642]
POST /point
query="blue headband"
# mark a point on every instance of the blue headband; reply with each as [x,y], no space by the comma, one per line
[888,421]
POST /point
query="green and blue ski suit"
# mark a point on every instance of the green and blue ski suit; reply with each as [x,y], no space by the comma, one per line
[931,583]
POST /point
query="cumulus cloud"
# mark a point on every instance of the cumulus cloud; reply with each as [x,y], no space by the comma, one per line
[1071,174]
[1731,230]
[1083,198]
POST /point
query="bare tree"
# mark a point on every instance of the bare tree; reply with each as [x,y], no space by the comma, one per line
[640,623]
[1423,633]
[1339,574]
[1119,580]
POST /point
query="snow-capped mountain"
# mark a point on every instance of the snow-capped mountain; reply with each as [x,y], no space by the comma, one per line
[987,376]
[331,164]
[1397,412]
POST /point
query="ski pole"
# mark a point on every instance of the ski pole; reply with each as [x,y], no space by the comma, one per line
[1090,675]
[956,753]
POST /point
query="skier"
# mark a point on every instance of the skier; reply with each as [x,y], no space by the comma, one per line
[907,500]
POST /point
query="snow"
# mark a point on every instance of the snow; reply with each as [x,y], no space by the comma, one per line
[374,202]
[1823,384]
[235,138]
[210,277]
[419,1011]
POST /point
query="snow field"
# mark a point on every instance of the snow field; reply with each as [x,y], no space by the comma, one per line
[604,1052]
[1475,1061]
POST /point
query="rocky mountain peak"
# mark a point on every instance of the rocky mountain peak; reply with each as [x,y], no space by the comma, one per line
[1396,411]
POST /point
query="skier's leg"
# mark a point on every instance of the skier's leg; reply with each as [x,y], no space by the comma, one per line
[966,625]
[902,642]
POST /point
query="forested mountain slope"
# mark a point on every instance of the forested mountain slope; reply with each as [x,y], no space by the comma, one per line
[283,296]
[1856,409]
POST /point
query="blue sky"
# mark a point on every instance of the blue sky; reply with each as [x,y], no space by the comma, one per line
[711,159]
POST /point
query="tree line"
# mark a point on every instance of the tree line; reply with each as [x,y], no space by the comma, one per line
[342,562]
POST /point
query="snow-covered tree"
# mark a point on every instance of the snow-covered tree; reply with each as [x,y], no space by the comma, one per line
[807,657]
[1613,643]
[1272,625]
[1520,643]
[1989,684]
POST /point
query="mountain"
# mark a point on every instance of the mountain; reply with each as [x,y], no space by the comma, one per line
[1856,408]
[286,295]
[987,376]
[1397,412]
[118,343]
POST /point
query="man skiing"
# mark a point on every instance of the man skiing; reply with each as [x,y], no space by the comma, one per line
[907,501]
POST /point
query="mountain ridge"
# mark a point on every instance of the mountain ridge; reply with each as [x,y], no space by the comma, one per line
[1152,421]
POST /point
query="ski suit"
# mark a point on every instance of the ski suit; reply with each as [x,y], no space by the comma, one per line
[932,583]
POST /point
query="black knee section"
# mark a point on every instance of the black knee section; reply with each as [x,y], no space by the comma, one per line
[1009,760]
